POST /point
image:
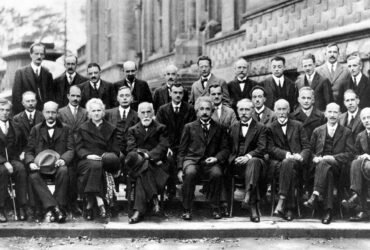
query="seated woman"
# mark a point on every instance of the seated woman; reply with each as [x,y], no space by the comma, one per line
[96,138]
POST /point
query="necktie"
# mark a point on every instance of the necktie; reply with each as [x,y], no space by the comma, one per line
[30,120]
[177,109]
[70,79]
[124,114]
[37,72]
[219,112]
[204,82]
[351,120]
[205,130]
[355,81]
[74,112]
[331,132]
[259,116]
[332,69]
[4,127]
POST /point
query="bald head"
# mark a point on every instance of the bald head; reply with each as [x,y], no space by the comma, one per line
[171,74]
[50,112]
[241,68]
[129,67]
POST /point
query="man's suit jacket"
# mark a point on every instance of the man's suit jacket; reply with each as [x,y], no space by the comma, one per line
[140,93]
[66,116]
[296,138]
[198,90]
[154,141]
[22,123]
[361,144]
[161,97]
[267,118]
[322,89]
[92,140]
[195,148]
[337,80]
[63,142]
[10,143]
[362,90]
[114,117]
[235,92]
[357,125]
[343,147]
[106,93]
[62,87]
[271,91]
[255,141]
[166,116]
[227,118]
[316,119]
[26,80]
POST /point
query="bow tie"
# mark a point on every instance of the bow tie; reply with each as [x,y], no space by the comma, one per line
[282,125]
[51,127]
[203,80]
[242,81]
[244,125]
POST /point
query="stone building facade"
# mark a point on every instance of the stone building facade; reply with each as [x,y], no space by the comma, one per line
[157,32]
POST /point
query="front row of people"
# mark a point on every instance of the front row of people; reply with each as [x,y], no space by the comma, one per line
[207,151]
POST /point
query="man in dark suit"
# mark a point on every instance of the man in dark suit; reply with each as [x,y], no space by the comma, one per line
[290,153]
[26,119]
[248,139]
[10,164]
[201,86]
[175,115]
[33,78]
[69,78]
[97,88]
[51,134]
[360,167]
[277,86]
[332,148]
[162,95]
[147,139]
[139,89]
[351,118]
[357,81]
[223,115]
[261,113]
[337,74]
[74,116]
[241,86]
[320,85]
[202,153]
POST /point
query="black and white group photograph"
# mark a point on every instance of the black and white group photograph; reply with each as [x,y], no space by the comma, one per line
[184,124]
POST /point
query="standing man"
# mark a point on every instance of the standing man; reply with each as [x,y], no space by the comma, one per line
[69,78]
[51,134]
[74,116]
[162,95]
[261,113]
[320,85]
[249,141]
[97,88]
[139,89]
[223,115]
[147,146]
[175,115]
[277,86]
[241,86]
[335,72]
[290,152]
[33,78]
[351,118]
[10,164]
[201,86]
[358,81]
[202,153]
[332,148]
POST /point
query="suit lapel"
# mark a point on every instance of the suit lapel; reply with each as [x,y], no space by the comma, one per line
[25,120]
[338,134]
[338,72]
[289,131]
[212,131]
[249,135]
[315,81]
[31,76]
[363,140]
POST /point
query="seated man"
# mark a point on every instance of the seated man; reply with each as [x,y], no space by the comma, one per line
[332,148]
[202,152]
[147,146]
[289,151]
[10,164]
[359,171]
[51,134]
[248,139]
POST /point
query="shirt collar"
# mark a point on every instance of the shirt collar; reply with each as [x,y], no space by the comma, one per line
[32,113]
[260,110]
[121,109]
[354,114]
[72,107]
[97,84]
[285,122]
[330,65]
[176,105]
[6,122]
[358,77]
[332,127]
[72,75]
[51,125]
[307,111]
[202,122]
[248,122]
[310,77]
[281,79]
[208,77]
[34,67]
[241,79]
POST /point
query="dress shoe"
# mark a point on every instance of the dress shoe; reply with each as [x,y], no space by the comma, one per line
[311,203]
[102,211]
[3,216]
[254,214]
[38,215]
[135,218]
[57,215]
[361,216]
[278,213]
[186,215]
[22,215]
[351,202]
[216,214]
[75,209]
[89,214]
[225,211]
[288,215]
[279,210]
[327,218]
